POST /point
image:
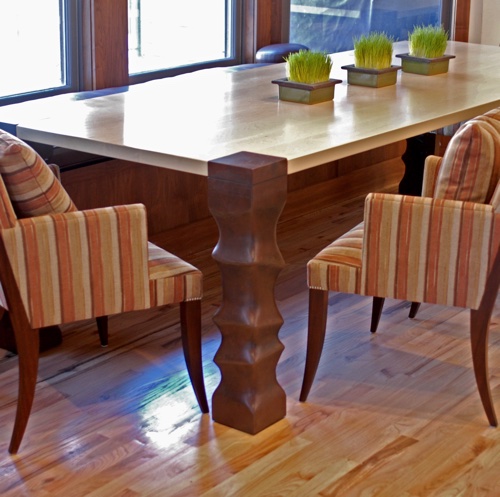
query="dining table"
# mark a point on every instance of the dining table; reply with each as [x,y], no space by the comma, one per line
[230,126]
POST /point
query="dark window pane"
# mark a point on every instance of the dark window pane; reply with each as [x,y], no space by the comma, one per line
[330,25]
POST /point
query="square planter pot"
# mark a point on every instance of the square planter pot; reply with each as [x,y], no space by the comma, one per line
[374,78]
[291,91]
[422,65]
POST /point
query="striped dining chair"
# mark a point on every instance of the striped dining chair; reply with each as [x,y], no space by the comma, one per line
[440,248]
[59,265]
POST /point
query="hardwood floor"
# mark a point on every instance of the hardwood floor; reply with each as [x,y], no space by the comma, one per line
[393,414]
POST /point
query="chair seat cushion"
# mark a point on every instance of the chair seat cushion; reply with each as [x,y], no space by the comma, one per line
[33,188]
[338,266]
[172,280]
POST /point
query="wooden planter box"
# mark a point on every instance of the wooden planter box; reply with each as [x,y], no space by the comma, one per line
[291,91]
[374,78]
[424,66]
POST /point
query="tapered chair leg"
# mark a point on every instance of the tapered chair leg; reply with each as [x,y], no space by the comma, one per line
[378,305]
[191,343]
[415,306]
[479,343]
[28,346]
[102,327]
[318,307]
[479,331]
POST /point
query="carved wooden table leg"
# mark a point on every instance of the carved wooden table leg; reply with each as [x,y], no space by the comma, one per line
[246,194]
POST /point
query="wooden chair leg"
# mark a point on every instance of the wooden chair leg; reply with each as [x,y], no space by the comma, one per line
[28,346]
[27,341]
[191,343]
[318,307]
[378,305]
[479,331]
[415,306]
[102,327]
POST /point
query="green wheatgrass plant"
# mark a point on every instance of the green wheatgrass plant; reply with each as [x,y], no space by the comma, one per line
[309,67]
[427,41]
[373,51]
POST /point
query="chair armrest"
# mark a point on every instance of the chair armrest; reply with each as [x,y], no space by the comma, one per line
[431,170]
[428,250]
[80,265]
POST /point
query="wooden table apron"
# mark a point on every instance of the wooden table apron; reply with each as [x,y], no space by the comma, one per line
[239,112]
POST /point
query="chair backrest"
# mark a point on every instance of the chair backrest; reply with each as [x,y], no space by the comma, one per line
[8,217]
[28,186]
[470,168]
[32,187]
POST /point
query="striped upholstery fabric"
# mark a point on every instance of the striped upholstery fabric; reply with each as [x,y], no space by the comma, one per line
[495,199]
[338,266]
[33,188]
[492,116]
[3,300]
[431,170]
[471,164]
[7,215]
[428,250]
[489,120]
[7,220]
[80,265]
[172,280]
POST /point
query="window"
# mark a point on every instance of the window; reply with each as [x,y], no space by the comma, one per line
[47,43]
[330,25]
[165,34]
[36,51]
